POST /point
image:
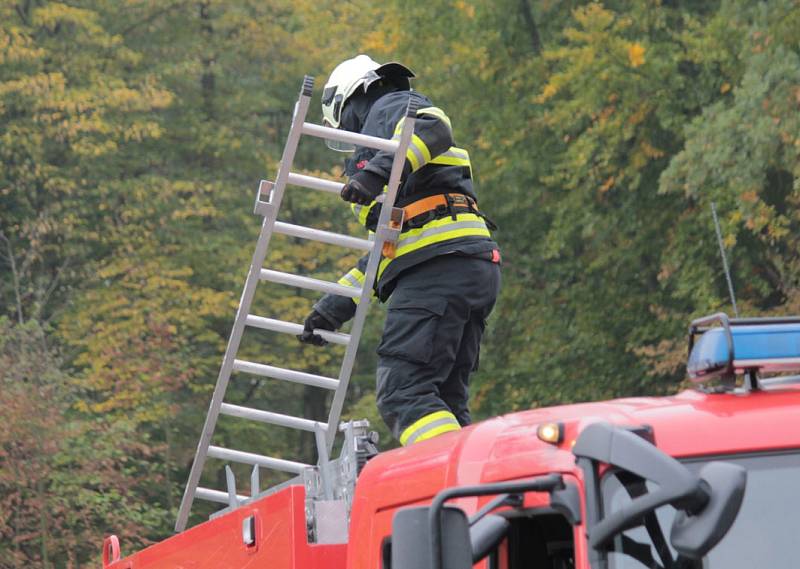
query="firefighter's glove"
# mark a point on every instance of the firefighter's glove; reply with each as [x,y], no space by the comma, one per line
[363,187]
[318,321]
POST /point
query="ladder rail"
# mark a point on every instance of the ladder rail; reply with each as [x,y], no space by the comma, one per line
[299,115]
[371,273]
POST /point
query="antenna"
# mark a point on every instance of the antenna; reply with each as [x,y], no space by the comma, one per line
[724,259]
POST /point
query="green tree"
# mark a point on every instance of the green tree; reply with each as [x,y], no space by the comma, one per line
[68,119]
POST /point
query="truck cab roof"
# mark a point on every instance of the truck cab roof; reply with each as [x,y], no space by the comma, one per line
[691,423]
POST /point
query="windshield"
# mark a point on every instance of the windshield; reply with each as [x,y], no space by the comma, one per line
[765,533]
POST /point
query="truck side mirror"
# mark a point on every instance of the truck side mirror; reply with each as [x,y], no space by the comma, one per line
[707,503]
[412,544]
[695,534]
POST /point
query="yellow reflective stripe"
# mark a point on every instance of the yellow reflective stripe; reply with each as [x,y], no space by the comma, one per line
[437,226]
[436,112]
[417,154]
[354,278]
[398,128]
[453,157]
[450,161]
[472,230]
[433,111]
[456,152]
[437,431]
[413,159]
[419,145]
[417,429]
[362,211]
[422,147]
[436,231]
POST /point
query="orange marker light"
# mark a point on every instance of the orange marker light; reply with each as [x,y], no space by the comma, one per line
[552,433]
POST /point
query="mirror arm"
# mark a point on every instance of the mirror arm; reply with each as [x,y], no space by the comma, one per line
[567,502]
[541,484]
[513,500]
[631,515]
[597,558]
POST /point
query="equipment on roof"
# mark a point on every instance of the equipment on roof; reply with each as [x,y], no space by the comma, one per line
[742,346]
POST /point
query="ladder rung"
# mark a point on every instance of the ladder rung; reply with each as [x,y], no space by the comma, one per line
[286,374]
[350,137]
[315,183]
[309,283]
[260,460]
[215,495]
[271,418]
[323,236]
[292,328]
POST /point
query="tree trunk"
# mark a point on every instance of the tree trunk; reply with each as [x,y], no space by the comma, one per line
[530,23]
[14,276]
[314,408]
[208,79]
[43,522]
[168,466]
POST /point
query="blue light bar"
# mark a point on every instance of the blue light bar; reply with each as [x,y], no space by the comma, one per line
[762,345]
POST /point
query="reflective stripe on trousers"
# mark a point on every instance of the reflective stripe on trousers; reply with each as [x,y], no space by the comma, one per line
[429,426]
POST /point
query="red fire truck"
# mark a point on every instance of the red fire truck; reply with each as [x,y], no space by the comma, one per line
[708,478]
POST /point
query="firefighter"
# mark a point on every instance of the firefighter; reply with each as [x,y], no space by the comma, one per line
[444,277]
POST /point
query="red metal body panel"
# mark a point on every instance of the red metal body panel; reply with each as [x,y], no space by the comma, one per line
[217,544]
[505,448]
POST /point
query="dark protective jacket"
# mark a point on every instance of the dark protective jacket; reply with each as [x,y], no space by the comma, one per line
[434,165]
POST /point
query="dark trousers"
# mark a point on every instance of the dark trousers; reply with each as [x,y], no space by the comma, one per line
[431,338]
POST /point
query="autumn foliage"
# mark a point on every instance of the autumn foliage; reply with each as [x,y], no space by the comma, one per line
[133,135]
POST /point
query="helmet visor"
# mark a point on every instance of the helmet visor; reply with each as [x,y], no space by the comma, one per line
[337,145]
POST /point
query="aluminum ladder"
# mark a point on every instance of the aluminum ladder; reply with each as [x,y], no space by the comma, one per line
[389,222]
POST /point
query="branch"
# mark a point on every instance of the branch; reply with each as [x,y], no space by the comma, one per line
[14,275]
[24,11]
[254,384]
[51,288]
[536,40]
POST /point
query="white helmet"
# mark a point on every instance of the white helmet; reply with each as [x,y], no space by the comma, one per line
[345,80]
